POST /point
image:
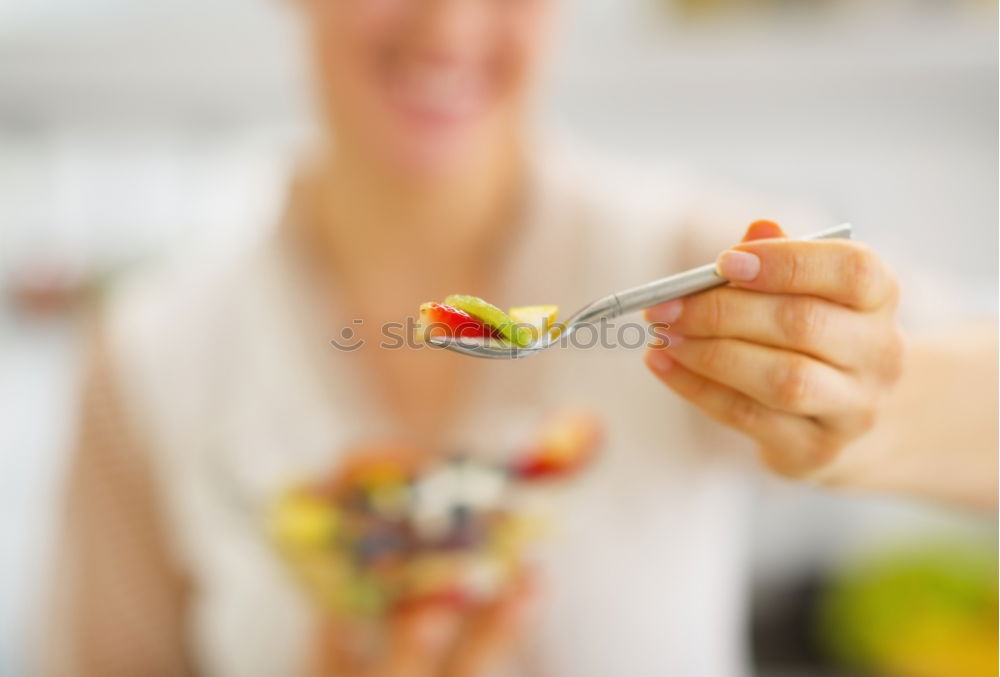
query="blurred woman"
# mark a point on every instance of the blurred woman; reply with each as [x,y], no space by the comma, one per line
[210,388]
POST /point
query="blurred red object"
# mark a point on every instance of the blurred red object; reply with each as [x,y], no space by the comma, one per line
[46,288]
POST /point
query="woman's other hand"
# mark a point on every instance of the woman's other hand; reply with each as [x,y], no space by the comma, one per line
[427,640]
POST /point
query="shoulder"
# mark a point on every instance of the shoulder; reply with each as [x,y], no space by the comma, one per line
[632,199]
[172,329]
[174,305]
[661,204]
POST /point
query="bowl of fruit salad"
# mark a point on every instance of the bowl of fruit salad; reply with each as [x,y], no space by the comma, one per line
[387,532]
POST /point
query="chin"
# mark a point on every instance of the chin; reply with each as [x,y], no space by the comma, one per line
[436,155]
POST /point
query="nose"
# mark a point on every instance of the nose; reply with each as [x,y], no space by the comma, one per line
[444,30]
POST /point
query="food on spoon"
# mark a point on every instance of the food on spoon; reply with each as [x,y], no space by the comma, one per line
[443,320]
[492,317]
[465,316]
[539,320]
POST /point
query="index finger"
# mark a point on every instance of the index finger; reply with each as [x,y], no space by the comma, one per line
[843,271]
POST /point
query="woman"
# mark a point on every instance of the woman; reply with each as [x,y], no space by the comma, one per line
[209,390]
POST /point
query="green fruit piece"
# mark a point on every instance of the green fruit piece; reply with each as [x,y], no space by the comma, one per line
[492,316]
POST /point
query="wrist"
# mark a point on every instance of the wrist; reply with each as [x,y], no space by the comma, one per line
[862,464]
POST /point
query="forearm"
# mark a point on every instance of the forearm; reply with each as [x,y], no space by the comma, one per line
[936,436]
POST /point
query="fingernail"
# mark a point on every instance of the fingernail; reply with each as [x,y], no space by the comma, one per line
[659,360]
[667,312]
[763,229]
[737,265]
[674,340]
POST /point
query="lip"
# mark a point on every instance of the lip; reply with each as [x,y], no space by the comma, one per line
[437,97]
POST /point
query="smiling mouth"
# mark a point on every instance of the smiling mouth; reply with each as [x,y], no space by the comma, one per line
[437,96]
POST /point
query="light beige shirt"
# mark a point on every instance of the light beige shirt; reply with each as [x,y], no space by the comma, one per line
[228,377]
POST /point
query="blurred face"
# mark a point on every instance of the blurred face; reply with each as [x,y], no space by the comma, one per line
[424,87]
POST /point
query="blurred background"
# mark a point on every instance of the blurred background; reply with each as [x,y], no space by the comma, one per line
[130,132]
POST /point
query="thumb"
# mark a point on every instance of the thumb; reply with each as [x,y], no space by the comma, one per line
[762,230]
[493,630]
[419,641]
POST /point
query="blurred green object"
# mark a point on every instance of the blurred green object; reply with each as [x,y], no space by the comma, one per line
[923,610]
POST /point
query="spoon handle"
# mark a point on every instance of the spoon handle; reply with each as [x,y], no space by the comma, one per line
[689,282]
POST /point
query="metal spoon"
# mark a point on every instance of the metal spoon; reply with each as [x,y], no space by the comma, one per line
[611,306]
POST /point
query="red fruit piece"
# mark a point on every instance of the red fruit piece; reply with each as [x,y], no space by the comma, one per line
[439,319]
[565,444]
